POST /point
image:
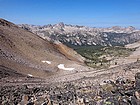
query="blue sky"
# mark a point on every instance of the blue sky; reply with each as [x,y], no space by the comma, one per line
[94,13]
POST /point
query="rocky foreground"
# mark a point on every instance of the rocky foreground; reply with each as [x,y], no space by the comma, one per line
[92,88]
[79,92]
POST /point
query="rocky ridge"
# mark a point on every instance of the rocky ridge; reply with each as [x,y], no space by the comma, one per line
[81,35]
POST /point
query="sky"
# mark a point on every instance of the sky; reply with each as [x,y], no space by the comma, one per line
[93,13]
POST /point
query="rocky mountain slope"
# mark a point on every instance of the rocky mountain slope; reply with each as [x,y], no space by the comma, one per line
[81,35]
[36,71]
[31,55]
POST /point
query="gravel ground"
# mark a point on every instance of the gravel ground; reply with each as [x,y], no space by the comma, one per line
[117,86]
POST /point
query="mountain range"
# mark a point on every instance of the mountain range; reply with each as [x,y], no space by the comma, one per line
[81,35]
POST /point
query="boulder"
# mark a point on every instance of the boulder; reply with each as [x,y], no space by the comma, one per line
[137,78]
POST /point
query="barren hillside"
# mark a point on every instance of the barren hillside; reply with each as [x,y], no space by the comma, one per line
[29,54]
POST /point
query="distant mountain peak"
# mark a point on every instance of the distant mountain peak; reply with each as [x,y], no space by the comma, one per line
[61,24]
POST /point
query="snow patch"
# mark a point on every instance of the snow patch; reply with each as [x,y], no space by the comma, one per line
[46,62]
[61,66]
[30,75]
